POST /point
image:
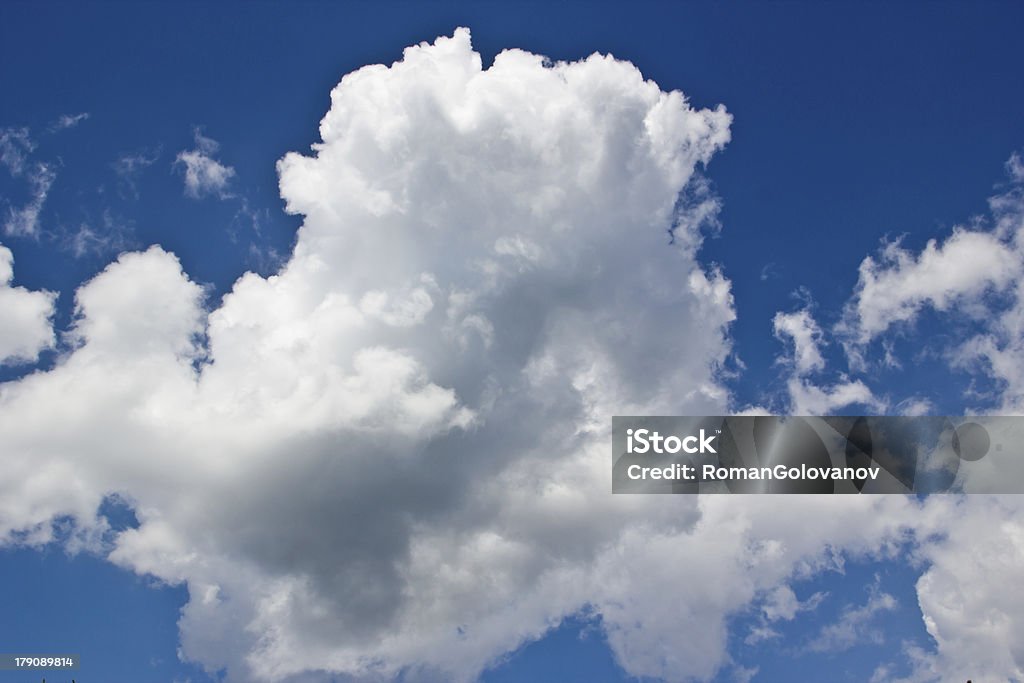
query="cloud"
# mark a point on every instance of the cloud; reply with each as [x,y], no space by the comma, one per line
[958,273]
[15,148]
[25,317]
[392,454]
[807,397]
[69,121]
[855,625]
[899,284]
[916,405]
[780,604]
[999,346]
[128,167]
[971,546]
[390,457]
[806,336]
[24,221]
[975,621]
[972,280]
[108,235]
[204,175]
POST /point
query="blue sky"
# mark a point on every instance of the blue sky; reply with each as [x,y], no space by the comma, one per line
[853,125]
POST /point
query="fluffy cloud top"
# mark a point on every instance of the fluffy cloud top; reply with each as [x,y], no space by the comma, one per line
[25,327]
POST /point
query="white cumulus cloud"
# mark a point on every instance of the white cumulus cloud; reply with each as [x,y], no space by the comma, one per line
[392,454]
[899,284]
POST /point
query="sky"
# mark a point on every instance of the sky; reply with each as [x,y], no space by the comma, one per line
[313,317]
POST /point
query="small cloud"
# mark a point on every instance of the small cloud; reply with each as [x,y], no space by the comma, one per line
[24,222]
[742,674]
[109,236]
[780,605]
[856,624]
[760,634]
[204,175]
[15,148]
[129,166]
[25,318]
[807,338]
[915,406]
[769,272]
[68,121]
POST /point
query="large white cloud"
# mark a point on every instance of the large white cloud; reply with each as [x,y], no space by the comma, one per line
[393,453]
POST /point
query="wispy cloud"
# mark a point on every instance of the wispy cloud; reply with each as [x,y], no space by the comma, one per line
[16,146]
[128,167]
[109,235]
[68,121]
[805,359]
[856,624]
[24,221]
[204,175]
[780,604]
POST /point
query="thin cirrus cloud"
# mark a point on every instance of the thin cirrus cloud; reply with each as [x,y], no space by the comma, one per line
[390,458]
[66,121]
[16,147]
